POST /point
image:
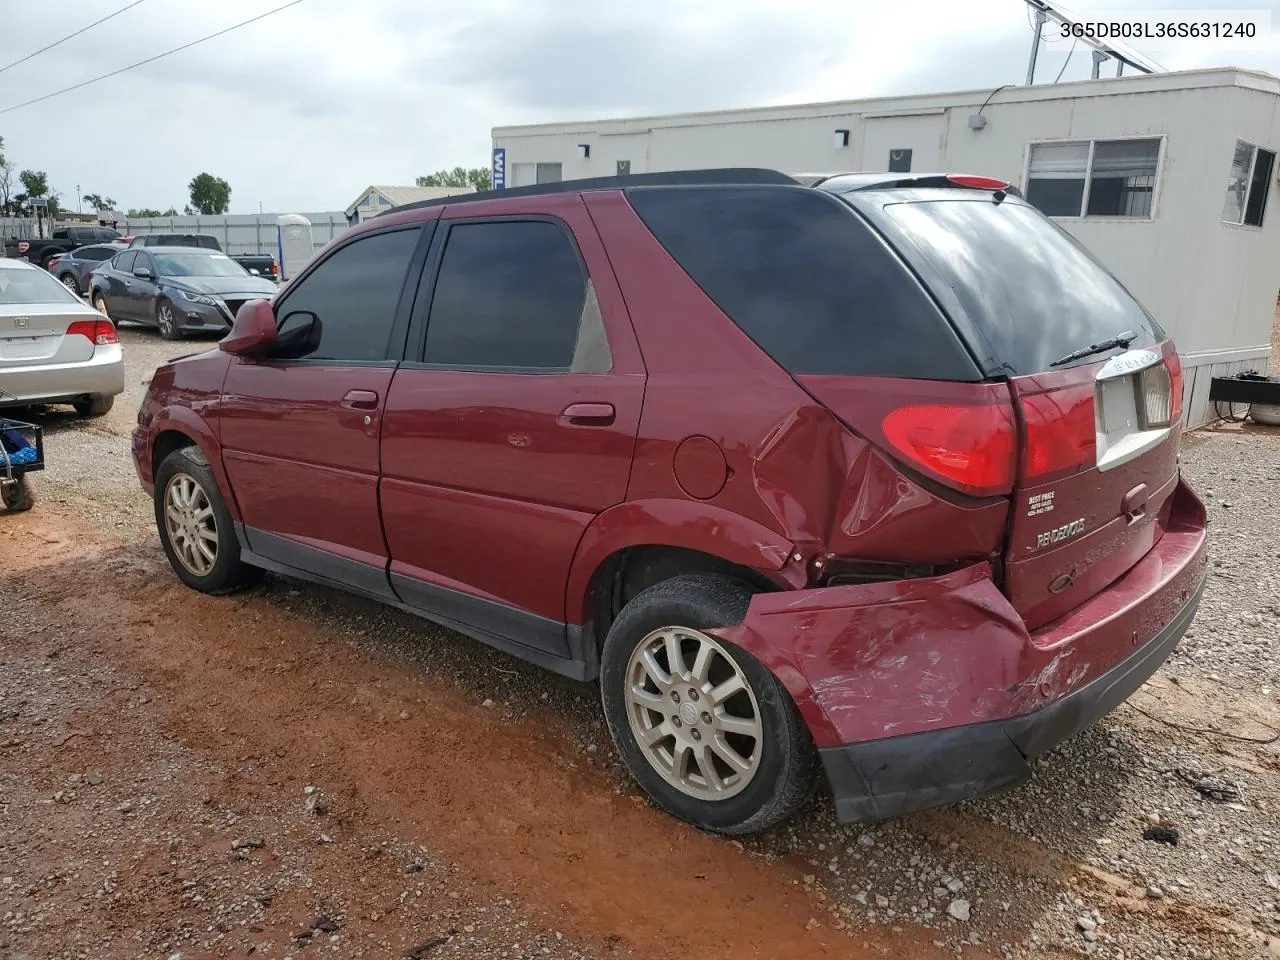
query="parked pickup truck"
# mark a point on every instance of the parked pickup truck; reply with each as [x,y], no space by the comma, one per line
[63,240]
[258,264]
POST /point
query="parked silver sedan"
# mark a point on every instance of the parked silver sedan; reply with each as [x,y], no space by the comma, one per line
[54,348]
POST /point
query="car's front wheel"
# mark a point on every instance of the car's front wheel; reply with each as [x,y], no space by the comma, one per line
[100,303]
[195,527]
[704,727]
[167,320]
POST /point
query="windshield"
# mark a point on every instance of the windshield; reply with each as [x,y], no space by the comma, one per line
[198,265]
[32,286]
[1032,290]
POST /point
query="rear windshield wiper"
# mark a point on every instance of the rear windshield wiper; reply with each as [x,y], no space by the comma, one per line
[1122,339]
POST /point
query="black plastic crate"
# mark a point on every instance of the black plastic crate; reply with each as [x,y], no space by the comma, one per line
[1245,388]
[29,432]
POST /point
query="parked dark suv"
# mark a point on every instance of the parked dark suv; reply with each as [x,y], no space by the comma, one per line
[878,476]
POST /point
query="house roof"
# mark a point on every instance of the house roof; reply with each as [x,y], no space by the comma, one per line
[398,196]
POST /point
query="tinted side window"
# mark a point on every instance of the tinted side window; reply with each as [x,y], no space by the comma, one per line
[96,253]
[807,279]
[509,294]
[355,293]
[124,262]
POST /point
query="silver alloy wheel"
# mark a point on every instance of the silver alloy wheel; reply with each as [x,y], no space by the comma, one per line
[190,524]
[71,283]
[693,713]
[164,319]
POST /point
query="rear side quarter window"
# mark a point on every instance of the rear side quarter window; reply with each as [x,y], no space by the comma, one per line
[806,278]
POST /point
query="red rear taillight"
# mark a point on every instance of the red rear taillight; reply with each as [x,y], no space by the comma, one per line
[1061,432]
[1174,363]
[100,332]
[968,447]
[23,246]
[275,270]
[978,183]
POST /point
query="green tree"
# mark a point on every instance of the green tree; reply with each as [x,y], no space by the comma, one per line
[142,213]
[209,194]
[6,183]
[35,183]
[171,212]
[99,202]
[477,177]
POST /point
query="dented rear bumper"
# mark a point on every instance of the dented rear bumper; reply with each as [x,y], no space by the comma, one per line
[924,692]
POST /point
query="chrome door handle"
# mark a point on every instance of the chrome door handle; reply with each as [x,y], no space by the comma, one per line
[588,415]
[360,400]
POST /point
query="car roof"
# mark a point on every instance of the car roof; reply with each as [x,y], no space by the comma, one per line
[11,264]
[715,176]
[179,249]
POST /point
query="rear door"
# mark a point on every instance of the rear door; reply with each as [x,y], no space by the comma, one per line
[1098,431]
[116,283]
[512,423]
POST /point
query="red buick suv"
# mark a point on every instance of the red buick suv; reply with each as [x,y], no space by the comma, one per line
[875,476]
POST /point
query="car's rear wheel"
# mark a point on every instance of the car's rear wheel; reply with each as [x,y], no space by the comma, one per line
[704,727]
[167,320]
[95,406]
[195,527]
[69,281]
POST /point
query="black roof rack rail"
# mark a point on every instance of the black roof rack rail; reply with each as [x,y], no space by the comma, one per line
[683,178]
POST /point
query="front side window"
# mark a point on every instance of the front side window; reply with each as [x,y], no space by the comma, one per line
[124,262]
[510,294]
[1248,184]
[1098,178]
[354,295]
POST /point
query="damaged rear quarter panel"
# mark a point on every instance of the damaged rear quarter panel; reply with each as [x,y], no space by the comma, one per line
[882,659]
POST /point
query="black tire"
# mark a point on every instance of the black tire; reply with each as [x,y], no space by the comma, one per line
[228,572]
[17,497]
[169,328]
[95,406]
[99,302]
[785,777]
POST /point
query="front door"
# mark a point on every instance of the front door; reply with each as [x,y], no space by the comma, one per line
[514,423]
[300,428]
[141,296]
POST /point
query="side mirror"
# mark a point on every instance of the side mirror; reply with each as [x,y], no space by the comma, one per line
[254,331]
[144,273]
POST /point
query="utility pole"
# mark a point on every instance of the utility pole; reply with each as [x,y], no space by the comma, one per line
[78,210]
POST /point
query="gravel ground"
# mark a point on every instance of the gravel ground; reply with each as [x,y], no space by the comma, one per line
[1059,867]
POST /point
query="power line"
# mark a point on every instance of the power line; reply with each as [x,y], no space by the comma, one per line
[158,56]
[1067,61]
[70,35]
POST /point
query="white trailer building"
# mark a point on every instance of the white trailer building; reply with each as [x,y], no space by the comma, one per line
[1166,177]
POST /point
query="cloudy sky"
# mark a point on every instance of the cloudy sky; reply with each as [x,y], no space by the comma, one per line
[304,109]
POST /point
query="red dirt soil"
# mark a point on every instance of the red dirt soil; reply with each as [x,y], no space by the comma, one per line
[249,704]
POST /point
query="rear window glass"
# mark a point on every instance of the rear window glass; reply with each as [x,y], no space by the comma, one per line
[807,279]
[1027,285]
